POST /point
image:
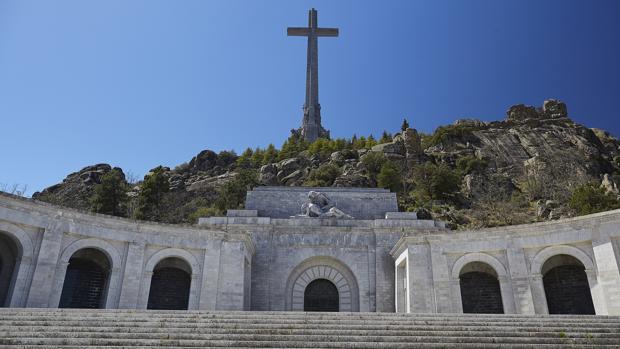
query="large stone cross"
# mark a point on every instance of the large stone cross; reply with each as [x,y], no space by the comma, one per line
[311,127]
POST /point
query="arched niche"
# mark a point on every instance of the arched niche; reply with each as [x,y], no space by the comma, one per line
[327,268]
[177,254]
[482,273]
[16,257]
[86,280]
[170,285]
[103,247]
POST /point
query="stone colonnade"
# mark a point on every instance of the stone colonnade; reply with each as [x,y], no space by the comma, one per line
[429,267]
[260,263]
[47,238]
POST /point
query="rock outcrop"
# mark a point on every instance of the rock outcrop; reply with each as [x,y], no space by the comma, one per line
[540,152]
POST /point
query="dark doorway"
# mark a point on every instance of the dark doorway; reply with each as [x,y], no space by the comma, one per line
[86,280]
[9,261]
[170,285]
[321,295]
[566,286]
[480,289]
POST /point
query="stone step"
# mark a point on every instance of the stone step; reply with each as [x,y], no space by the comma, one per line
[235,314]
[325,323]
[443,337]
[276,342]
[287,315]
[41,328]
[305,316]
[14,331]
[316,325]
[261,327]
[409,346]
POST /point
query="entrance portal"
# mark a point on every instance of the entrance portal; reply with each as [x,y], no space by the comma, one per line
[566,286]
[170,285]
[86,280]
[321,295]
[8,260]
[480,289]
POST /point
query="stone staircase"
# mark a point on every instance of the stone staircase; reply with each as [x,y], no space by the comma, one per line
[80,328]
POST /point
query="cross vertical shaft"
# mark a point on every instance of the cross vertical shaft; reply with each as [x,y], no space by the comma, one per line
[311,128]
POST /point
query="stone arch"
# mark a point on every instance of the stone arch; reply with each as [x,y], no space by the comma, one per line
[327,268]
[478,257]
[494,268]
[536,277]
[159,256]
[114,257]
[170,285]
[23,264]
[548,252]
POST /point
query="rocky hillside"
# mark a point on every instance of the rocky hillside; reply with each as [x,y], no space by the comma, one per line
[521,169]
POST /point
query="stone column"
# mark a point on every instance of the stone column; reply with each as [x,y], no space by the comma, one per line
[400,287]
[23,268]
[596,292]
[194,292]
[457,301]
[210,276]
[130,288]
[45,268]
[441,281]
[606,293]
[145,289]
[520,281]
[230,293]
[507,296]
[420,279]
[538,293]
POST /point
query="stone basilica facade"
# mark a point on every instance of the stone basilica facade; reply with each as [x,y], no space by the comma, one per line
[337,249]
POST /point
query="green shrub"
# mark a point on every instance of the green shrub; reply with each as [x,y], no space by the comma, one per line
[468,164]
[204,212]
[372,162]
[150,199]
[232,194]
[435,182]
[110,196]
[451,132]
[592,198]
[323,176]
[226,158]
[390,177]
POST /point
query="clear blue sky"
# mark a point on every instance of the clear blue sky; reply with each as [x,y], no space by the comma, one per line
[142,83]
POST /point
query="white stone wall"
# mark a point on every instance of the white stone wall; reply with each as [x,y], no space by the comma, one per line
[517,254]
[261,263]
[48,236]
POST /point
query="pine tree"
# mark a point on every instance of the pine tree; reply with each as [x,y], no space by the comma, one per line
[270,155]
[257,157]
[292,147]
[389,177]
[151,196]
[245,159]
[232,194]
[385,138]
[110,195]
[405,125]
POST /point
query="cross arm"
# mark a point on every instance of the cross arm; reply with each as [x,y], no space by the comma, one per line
[326,31]
[293,31]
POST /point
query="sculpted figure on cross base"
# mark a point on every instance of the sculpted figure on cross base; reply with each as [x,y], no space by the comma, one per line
[319,206]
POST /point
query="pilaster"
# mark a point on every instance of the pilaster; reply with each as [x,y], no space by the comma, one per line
[45,268]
